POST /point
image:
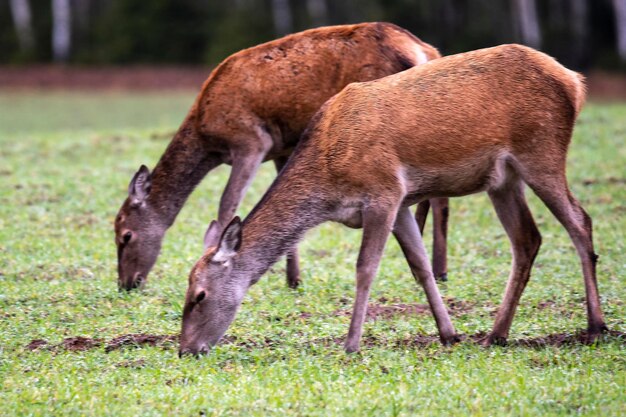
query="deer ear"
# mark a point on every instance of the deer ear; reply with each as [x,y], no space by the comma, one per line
[212,235]
[140,185]
[230,241]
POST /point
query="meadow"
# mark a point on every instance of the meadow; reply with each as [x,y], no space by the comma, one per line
[65,163]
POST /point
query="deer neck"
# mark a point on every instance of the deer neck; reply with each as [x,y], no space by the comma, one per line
[182,166]
[278,222]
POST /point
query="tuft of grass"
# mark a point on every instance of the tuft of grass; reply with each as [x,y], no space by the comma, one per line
[66,162]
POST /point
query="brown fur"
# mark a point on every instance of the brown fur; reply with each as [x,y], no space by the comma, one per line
[279,85]
[254,107]
[488,120]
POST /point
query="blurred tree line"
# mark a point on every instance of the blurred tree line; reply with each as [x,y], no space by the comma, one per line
[580,33]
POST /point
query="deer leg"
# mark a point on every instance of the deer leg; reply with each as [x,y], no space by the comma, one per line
[410,240]
[377,224]
[554,192]
[440,233]
[440,236]
[512,210]
[421,213]
[245,166]
[293,264]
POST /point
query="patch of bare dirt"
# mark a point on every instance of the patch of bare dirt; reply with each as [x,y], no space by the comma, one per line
[415,341]
[377,311]
[422,341]
[385,312]
[606,86]
[72,344]
[37,344]
[77,344]
[564,339]
[601,85]
[45,77]
[136,340]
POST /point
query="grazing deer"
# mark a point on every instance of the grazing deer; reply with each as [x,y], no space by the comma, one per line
[254,107]
[489,120]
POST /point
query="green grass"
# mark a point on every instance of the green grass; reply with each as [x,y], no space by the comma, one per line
[65,162]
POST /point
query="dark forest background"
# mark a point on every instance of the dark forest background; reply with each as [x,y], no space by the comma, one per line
[582,34]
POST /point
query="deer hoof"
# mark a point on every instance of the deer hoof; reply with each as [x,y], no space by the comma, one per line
[493,340]
[450,340]
[593,334]
[351,347]
[293,282]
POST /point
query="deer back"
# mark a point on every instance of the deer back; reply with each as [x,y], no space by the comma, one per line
[433,124]
[278,86]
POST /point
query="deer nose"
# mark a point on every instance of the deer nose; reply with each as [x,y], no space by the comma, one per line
[133,282]
[201,351]
[137,280]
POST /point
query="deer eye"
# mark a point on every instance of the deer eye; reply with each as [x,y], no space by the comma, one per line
[127,237]
[200,296]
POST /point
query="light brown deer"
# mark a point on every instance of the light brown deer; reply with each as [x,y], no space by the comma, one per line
[254,107]
[489,120]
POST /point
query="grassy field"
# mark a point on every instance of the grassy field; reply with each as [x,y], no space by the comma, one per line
[66,160]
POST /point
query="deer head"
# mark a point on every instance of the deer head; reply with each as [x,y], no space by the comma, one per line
[138,233]
[216,289]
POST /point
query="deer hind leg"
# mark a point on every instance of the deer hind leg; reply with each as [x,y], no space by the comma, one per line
[377,224]
[512,210]
[554,192]
[407,233]
[293,263]
[440,233]
[421,213]
[440,236]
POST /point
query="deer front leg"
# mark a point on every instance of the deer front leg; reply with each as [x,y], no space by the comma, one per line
[407,233]
[293,264]
[245,166]
[377,224]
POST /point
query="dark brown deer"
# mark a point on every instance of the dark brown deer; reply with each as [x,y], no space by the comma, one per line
[254,107]
[490,120]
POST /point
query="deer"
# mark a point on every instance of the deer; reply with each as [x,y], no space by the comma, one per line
[492,120]
[253,108]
